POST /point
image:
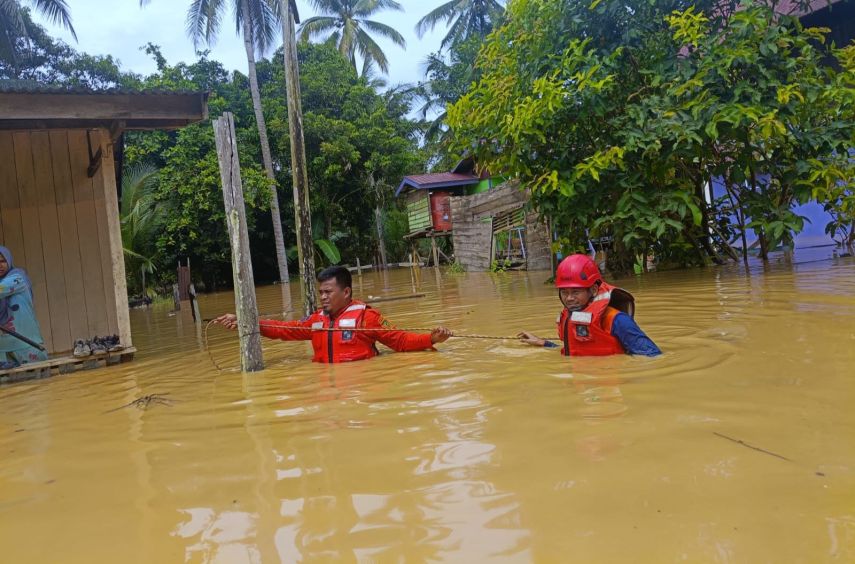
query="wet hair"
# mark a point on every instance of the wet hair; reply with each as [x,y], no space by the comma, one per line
[341,274]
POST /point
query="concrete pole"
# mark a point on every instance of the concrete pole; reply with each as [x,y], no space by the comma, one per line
[251,359]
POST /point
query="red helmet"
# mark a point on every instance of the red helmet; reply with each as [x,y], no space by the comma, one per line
[577,271]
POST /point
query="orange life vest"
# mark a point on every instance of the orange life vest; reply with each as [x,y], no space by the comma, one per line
[341,346]
[589,332]
[347,342]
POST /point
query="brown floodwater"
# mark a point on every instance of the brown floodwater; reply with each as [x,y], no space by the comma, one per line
[487,450]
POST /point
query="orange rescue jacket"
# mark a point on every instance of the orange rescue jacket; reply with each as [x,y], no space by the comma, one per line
[345,346]
[589,332]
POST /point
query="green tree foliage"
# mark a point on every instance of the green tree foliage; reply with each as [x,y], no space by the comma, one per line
[38,58]
[351,133]
[618,119]
[345,24]
[138,211]
[16,26]
[359,144]
[257,21]
[465,18]
[447,78]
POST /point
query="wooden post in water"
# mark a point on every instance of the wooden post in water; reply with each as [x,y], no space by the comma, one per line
[194,305]
[358,267]
[300,180]
[245,305]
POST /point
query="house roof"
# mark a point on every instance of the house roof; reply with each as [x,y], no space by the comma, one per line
[436,180]
[801,8]
[32,106]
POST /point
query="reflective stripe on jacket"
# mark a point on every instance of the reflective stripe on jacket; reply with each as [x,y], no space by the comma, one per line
[588,332]
[344,345]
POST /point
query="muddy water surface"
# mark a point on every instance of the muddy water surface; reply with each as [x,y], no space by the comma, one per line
[487,450]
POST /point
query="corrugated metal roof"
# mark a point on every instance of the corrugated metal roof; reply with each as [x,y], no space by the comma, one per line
[440,177]
[437,180]
[797,8]
[30,87]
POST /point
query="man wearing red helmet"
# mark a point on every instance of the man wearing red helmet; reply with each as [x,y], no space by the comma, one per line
[597,318]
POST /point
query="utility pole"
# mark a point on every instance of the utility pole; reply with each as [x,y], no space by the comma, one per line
[302,209]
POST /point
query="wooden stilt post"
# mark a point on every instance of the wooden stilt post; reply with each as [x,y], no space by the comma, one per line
[381,242]
[358,267]
[245,304]
[435,252]
[417,263]
[194,304]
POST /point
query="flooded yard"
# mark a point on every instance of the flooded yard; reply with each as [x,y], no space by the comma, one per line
[736,445]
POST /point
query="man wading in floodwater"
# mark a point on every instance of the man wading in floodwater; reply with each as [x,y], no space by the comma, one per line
[347,316]
[597,317]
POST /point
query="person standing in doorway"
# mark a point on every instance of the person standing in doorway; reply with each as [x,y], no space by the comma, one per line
[17,314]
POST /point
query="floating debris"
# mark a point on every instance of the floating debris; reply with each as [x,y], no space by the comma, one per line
[146,401]
[758,449]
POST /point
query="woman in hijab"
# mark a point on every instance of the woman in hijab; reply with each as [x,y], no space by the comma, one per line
[17,314]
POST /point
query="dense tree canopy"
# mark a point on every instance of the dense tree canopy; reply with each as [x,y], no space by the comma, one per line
[346,123]
[619,116]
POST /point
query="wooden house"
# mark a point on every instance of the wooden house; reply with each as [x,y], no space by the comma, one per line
[428,198]
[484,216]
[497,226]
[60,165]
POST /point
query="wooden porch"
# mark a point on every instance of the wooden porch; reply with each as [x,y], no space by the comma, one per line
[65,364]
[60,167]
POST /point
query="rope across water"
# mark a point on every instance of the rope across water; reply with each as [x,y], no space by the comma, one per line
[379,330]
[352,329]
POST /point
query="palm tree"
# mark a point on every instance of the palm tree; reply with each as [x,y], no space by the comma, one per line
[15,23]
[345,23]
[470,17]
[138,213]
[257,21]
[446,83]
[371,76]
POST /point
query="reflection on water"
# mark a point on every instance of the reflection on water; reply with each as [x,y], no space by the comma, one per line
[486,450]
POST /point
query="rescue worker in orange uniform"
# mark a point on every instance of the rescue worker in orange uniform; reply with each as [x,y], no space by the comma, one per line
[341,312]
[597,319]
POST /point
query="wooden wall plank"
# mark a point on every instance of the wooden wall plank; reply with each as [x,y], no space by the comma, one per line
[114,231]
[69,239]
[538,241]
[99,190]
[88,236]
[29,206]
[10,212]
[472,237]
[51,244]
